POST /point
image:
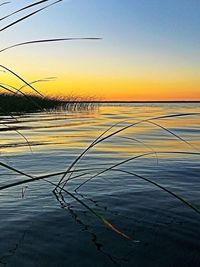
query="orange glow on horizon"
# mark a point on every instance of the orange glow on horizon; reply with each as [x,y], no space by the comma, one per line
[118,84]
[111,90]
[123,89]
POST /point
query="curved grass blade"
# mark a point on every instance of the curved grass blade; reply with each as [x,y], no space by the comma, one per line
[94,212]
[172,133]
[33,82]
[22,135]
[5,3]
[6,89]
[8,85]
[143,143]
[47,41]
[163,188]
[20,78]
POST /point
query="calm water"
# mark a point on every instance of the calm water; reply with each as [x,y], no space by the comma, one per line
[38,230]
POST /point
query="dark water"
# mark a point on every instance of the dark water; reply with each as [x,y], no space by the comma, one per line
[38,230]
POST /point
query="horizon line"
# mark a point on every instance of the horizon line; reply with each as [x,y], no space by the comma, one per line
[139,101]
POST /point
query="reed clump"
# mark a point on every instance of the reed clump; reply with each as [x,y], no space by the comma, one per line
[21,104]
[13,103]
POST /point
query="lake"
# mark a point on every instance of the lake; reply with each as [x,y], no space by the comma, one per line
[38,229]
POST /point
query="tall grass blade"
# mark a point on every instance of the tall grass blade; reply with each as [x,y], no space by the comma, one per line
[20,78]
[5,3]
[142,143]
[163,188]
[47,41]
[22,135]
[33,82]
[95,213]
[172,133]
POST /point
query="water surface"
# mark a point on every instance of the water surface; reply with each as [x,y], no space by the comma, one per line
[38,230]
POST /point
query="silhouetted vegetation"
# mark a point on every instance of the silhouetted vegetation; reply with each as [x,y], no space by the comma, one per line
[31,103]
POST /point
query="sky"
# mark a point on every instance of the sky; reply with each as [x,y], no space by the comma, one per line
[150,49]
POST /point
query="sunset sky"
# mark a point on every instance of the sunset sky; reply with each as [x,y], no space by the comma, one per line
[150,49]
